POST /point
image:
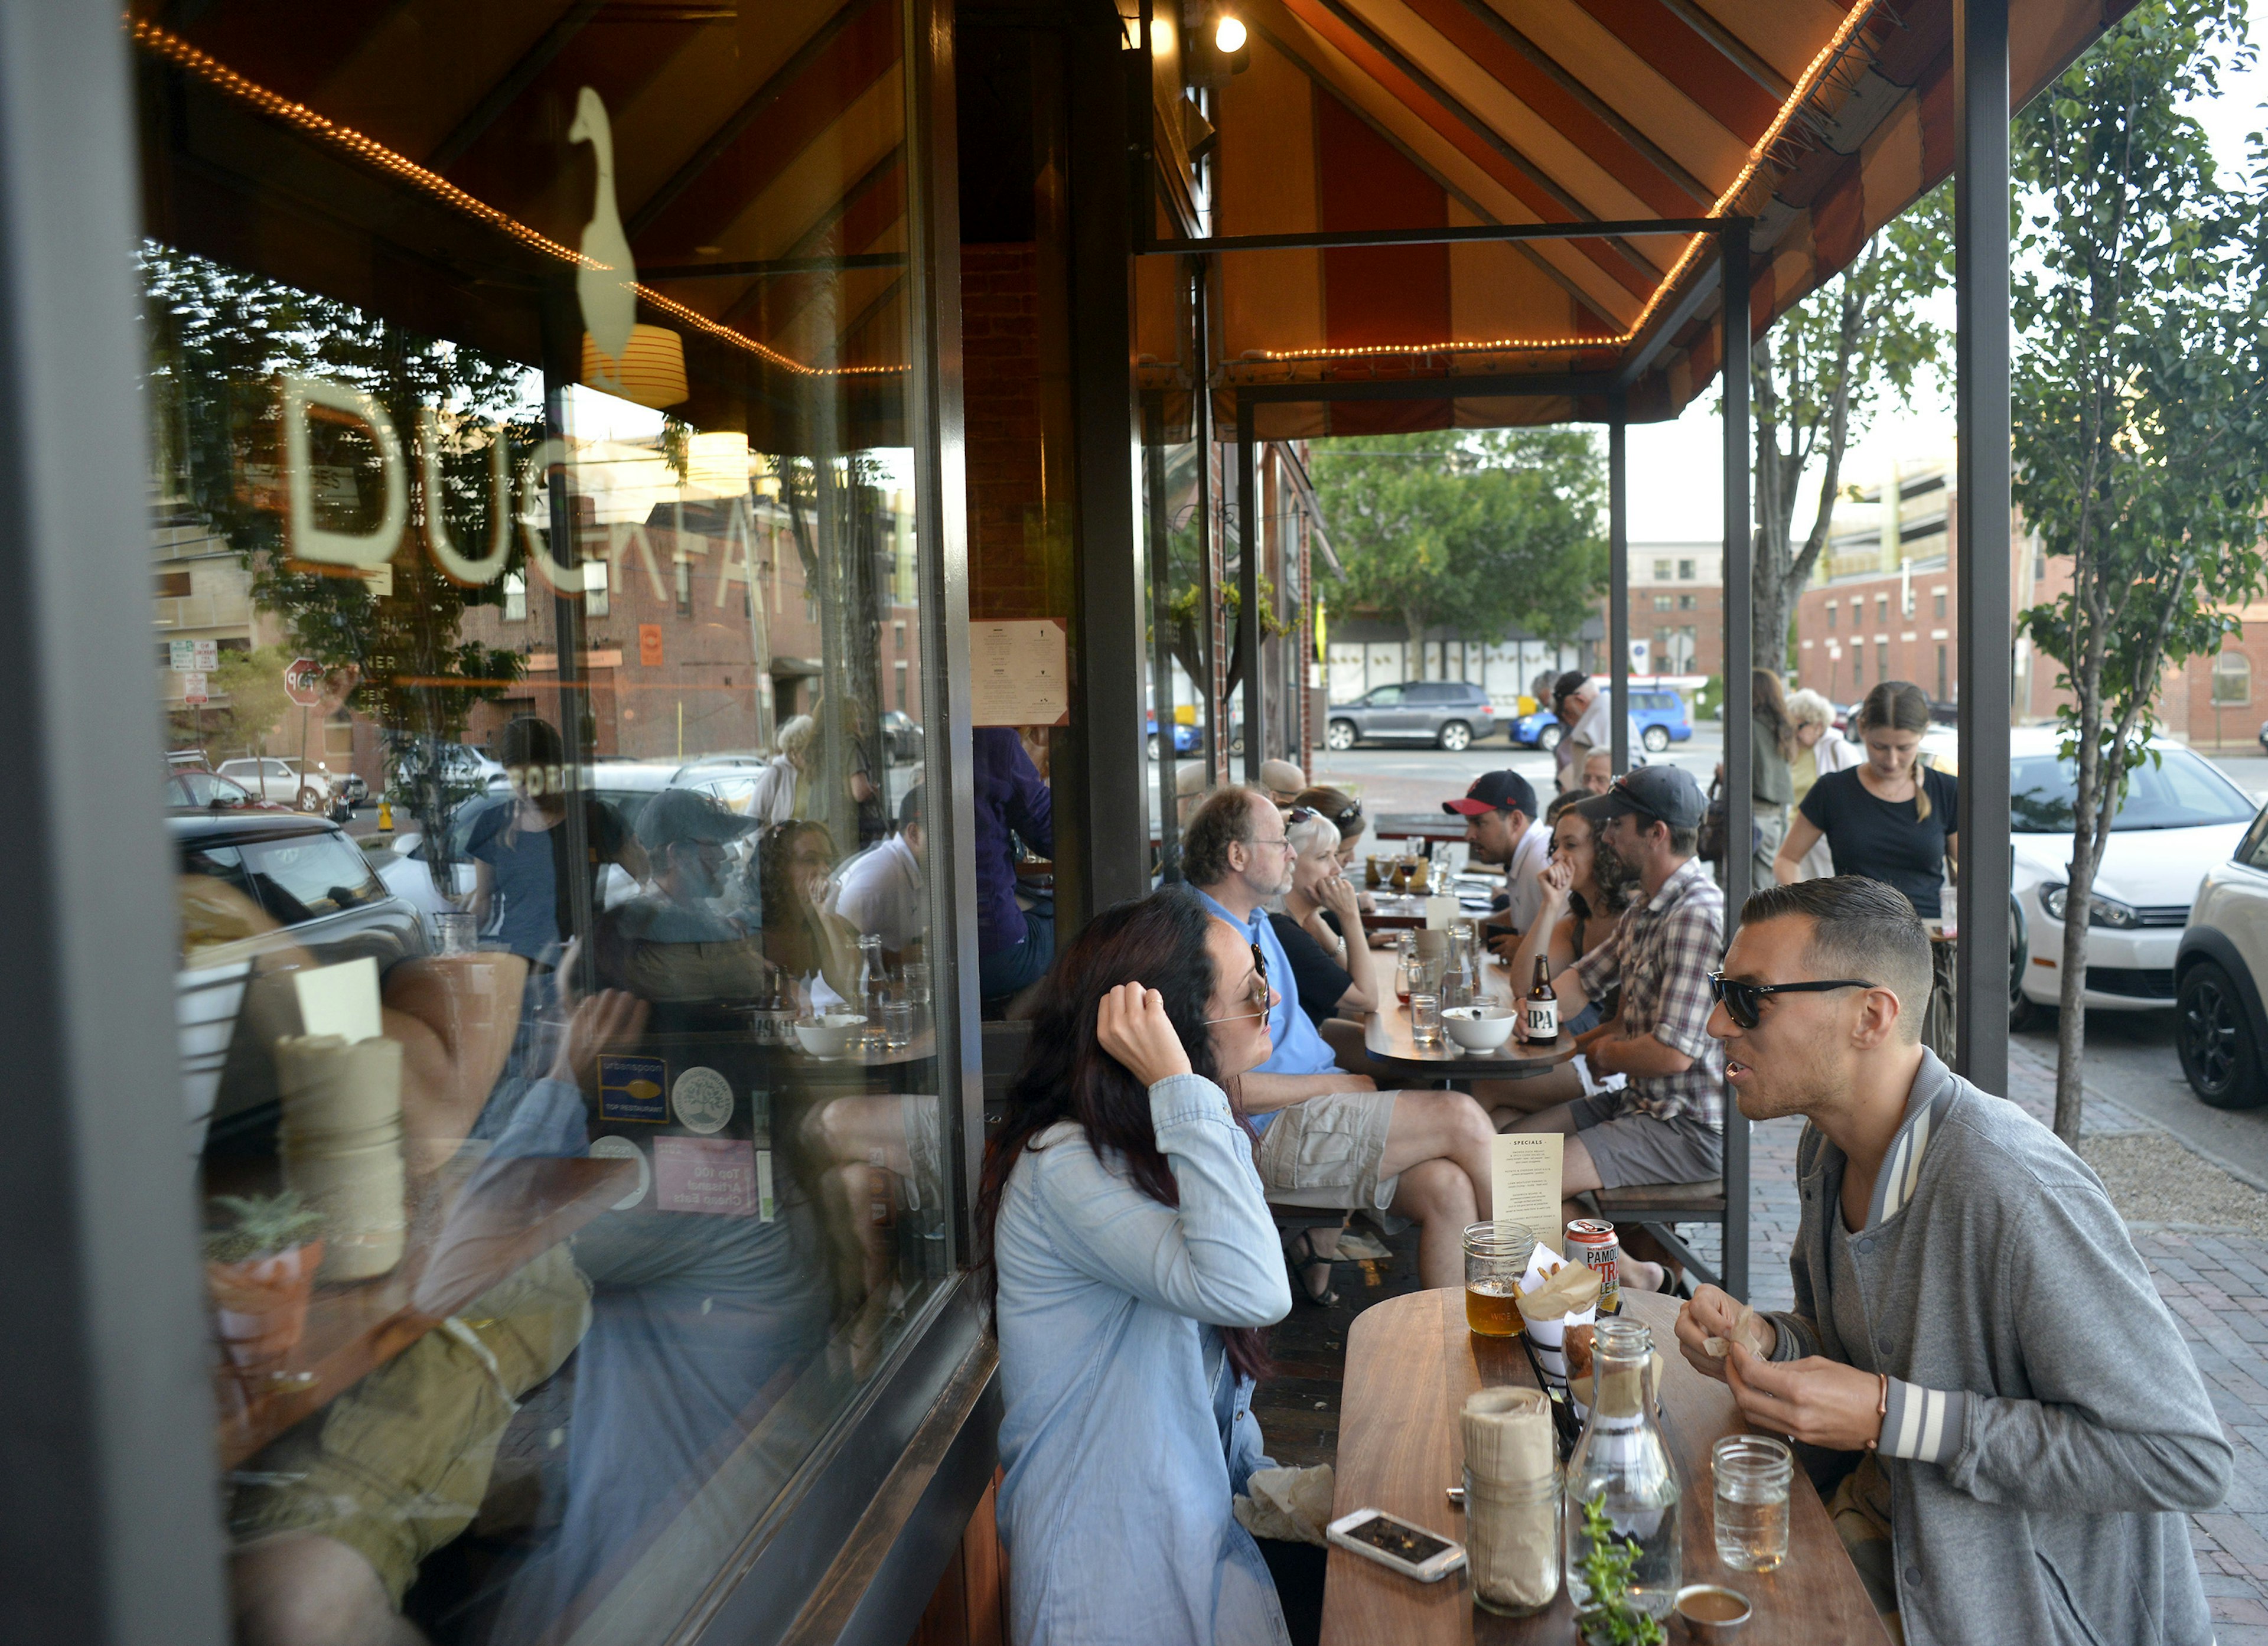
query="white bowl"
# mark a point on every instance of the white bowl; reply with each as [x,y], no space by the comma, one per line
[1480,1028]
[831,1034]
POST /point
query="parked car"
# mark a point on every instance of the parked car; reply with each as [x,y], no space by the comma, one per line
[1660,716]
[2220,973]
[262,894]
[309,788]
[902,738]
[1449,714]
[191,790]
[1538,729]
[1189,738]
[2180,819]
[2264,737]
[461,770]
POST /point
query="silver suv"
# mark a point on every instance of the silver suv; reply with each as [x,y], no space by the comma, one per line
[1449,714]
[2220,972]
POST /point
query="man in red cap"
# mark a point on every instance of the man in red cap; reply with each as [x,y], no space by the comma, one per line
[1501,828]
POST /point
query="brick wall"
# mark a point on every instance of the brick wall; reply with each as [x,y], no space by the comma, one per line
[1002,391]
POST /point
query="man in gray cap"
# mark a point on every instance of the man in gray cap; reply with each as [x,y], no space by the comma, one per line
[1667,1125]
[676,941]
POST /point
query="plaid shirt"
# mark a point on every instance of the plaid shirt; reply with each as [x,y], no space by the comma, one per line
[1662,953]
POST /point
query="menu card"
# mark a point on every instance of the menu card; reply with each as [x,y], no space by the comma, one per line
[341,1000]
[1524,1178]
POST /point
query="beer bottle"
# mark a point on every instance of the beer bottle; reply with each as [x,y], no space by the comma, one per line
[1539,1014]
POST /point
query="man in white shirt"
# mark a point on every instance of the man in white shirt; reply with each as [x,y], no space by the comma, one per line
[1585,711]
[883,894]
[1501,828]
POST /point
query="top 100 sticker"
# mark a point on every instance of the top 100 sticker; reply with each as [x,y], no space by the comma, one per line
[701,1100]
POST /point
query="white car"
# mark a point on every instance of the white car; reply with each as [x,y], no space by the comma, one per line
[2221,973]
[2181,817]
[283,783]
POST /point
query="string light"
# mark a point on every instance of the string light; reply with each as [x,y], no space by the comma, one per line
[370,151]
[1805,85]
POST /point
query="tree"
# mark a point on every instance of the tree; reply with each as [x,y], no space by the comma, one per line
[1480,531]
[2141,406]
[1818,376]
[252,682]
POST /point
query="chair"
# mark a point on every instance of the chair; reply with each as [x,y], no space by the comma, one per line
[1655,1207]
[1004,1044]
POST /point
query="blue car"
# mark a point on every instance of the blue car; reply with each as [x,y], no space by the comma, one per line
[1188,739]
[1660,716]
[1539,730]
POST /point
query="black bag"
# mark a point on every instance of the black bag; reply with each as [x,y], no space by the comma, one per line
[1711,847]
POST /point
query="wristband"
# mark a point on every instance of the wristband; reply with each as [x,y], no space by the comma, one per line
[1881,1410]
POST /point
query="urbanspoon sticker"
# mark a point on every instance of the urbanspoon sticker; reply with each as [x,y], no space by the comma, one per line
[701,1100]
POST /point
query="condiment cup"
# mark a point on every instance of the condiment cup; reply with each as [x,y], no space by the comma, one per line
[1704,1630]
[831,1033]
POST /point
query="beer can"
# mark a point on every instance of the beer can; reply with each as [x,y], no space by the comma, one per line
[1592,1240]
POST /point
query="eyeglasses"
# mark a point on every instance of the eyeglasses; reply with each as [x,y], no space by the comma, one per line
[1743,1003]
[1256,994]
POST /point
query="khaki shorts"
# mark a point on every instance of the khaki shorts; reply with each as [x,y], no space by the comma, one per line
[397,1465]
[1326,1152]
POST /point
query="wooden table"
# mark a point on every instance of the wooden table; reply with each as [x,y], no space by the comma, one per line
[511,1212]
[1406,911]
[1386,1040]
[1411,1364]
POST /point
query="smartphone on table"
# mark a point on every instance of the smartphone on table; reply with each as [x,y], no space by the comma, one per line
[1397,1543]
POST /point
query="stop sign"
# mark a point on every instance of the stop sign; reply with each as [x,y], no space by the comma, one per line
[303,682]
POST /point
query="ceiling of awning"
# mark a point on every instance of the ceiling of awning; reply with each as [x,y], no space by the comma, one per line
[1819,122]
[411,157]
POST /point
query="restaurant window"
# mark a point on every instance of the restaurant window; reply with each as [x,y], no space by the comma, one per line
[2232,680]
[1882,659]
[1662,571]
[1939,597]
[574,1154]
[1686,571]
[1830,613]
[1663,602]
[1688,602]
[1882,608]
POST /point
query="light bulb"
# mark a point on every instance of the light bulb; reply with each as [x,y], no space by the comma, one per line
[1228,35]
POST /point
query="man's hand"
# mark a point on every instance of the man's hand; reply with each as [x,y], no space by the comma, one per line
[1710,1313]
[1132,1026]
[609,1019]
[1504,943]
[1820,1401]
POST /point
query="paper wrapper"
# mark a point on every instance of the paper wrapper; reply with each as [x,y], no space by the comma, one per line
[1749,1329]
[1512,1499]
[329,1086]
[1290,1505]
[1568,1297]
[1580,1396]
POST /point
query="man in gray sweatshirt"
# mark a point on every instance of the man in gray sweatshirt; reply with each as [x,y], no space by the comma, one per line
[1978,1370]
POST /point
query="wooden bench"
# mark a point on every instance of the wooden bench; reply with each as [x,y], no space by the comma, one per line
[1655,1207]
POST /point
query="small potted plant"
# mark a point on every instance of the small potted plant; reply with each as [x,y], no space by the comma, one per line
[260,1267]
[1610,1619]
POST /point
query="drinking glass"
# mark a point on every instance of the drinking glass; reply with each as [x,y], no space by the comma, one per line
[1512,1544]
[1752,1472]
[1425,1014]
[897,1022]
[915,975]
[1496,1256]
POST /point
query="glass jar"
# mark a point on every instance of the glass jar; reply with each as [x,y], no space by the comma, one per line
[1623,1464]
[1496,1256]
[1752,1472]
[1512,1544]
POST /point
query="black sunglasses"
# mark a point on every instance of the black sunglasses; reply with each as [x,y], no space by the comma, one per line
[1743,1003]
[1257,994]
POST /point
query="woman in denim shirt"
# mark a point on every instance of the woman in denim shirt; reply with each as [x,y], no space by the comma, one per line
[1135,1266]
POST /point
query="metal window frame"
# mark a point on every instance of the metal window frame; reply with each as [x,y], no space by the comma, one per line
[106,1462]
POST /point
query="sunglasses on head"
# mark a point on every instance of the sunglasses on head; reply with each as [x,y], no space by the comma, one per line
[1743,1003]
[1256,995]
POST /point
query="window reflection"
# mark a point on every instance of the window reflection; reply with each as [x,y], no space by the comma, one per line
[554,999]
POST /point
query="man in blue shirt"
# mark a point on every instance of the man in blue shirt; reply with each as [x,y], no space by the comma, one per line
[1328,1138]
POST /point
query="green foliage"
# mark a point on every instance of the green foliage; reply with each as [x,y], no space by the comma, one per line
[260,1226]
[2140,399]
[1709,700]
[1483,533]
[252,682]
[1820,375]
[1610,1619]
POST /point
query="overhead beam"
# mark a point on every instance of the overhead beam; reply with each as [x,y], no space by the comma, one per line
[1447,234]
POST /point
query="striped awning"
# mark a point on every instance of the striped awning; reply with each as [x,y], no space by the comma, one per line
[1820,123]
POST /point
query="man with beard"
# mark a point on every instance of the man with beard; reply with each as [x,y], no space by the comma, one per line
[1328,1138]
[674,945]
[1978,1369]
[1667,1125]
[1501,828]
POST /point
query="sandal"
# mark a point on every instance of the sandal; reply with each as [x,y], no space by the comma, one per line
[1301,1258]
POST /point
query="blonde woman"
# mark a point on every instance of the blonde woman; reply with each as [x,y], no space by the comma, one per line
[1891,818]
[1320,927]
[782,789]
[1819,749]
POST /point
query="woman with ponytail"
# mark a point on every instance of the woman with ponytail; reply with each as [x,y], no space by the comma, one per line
[1889,817]
[1134,1266]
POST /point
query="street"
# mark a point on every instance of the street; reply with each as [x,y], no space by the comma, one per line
[2129,1057]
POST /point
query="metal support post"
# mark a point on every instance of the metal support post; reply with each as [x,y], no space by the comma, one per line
[1618,574]
[1248,588]
[1161,653]
[1739,705]
[1980,241]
